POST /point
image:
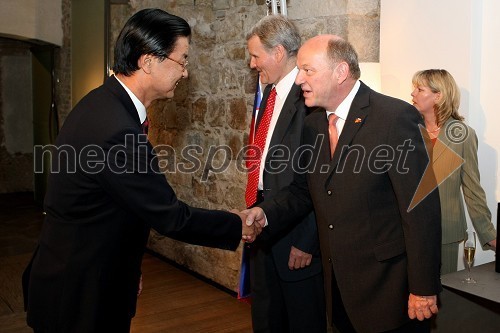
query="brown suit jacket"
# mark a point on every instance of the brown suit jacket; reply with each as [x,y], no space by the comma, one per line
[379,251]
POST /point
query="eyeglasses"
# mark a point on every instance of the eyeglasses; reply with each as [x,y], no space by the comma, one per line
[184,65]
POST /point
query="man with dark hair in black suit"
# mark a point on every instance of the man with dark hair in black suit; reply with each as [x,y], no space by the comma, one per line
[109,192]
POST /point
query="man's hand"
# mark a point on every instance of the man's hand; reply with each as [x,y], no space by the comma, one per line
[422,307]
[255,214]
[248,232]
[493,244]
[298,259]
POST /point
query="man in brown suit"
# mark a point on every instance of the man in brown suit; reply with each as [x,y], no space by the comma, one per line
[380,258]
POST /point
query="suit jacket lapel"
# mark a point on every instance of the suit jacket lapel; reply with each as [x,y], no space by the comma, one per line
[439,149]
[324,157]
[262,106]
[318,134]
[356,117]
[117,89]
[445,160]
[286,115]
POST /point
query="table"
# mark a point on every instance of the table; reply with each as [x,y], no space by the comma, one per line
[470,307]
[487,286]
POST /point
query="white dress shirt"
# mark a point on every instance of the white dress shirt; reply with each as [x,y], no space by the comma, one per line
[282,89]
[343,109]
[141,109]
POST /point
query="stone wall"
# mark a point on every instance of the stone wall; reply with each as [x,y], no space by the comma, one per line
[63,65]
[212,108]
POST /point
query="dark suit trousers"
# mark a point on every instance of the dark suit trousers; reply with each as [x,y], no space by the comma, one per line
[343,324]
[284,306]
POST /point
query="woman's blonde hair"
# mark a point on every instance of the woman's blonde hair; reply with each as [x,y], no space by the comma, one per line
[440,81]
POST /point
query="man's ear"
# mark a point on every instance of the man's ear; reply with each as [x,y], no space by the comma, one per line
[144,63]
[279,53]
[342,72]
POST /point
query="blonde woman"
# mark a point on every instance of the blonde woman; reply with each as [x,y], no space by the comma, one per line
[437,97]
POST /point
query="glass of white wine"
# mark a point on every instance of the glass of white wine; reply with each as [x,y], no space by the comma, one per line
[469,252]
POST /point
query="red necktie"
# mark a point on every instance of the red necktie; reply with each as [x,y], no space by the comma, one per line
[332,131]
[145,126]
[259,142]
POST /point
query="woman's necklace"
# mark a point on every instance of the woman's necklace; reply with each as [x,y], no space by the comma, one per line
[434,131]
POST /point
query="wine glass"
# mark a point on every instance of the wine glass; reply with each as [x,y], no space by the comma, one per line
[469,252]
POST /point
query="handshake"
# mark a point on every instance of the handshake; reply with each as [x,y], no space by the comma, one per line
[252,220]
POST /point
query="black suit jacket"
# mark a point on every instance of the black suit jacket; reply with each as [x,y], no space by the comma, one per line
[278,173]
[379,251]
[102,199]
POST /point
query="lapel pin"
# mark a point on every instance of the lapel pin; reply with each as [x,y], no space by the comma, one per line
[357,121]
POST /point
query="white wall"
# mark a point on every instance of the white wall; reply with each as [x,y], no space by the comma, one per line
[461,36]
[32,19]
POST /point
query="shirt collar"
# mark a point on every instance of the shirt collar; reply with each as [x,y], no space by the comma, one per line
[283,87]
[343,109]
[141,109]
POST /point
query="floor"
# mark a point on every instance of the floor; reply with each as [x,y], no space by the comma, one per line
[173,300]
[20,222]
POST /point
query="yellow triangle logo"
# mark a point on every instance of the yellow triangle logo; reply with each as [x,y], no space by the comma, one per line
[443,162]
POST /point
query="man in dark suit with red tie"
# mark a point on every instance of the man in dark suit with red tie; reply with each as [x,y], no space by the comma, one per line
[380,249]
[285,271]
[109,191]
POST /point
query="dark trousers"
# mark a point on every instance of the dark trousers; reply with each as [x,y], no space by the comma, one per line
[343,324]
[280,306]
[341,320]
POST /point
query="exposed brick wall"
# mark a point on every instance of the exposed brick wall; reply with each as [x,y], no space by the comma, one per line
[213,106]
[63,65]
